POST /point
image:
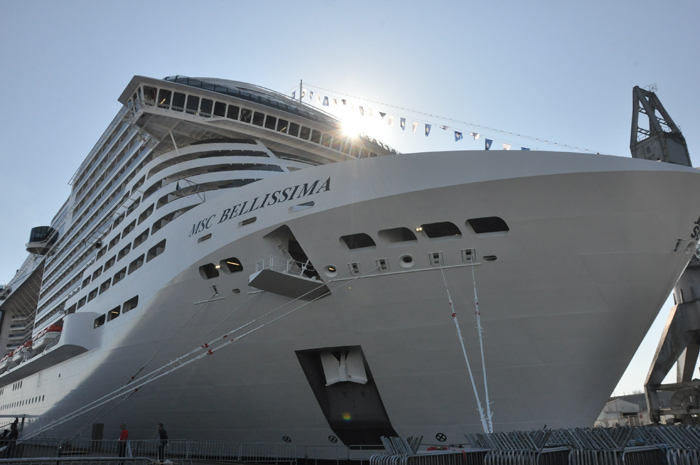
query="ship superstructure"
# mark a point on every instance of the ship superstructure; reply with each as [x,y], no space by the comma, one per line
[211,206]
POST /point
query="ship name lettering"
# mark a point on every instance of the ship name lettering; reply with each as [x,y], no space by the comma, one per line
[202,225]
[278,196]
[696,230]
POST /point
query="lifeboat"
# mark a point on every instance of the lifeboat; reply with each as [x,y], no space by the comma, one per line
[5,362]
[46,337]
[22,353]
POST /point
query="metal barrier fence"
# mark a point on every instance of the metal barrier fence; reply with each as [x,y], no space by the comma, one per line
[80,461]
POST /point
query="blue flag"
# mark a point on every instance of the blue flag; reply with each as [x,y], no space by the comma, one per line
[524,148]
[294,94]
[311,94]
[325,101]
[427,130]
[488,143]
[458,136]
[403,124]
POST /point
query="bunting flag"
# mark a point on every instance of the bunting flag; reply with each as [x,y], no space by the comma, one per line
[458,136]
[444,128]
[524,148]
[325,101]
[487,144]
[345,102]
[475,135]
[318,98]
[311,95]
[506,146]
[382,114]
[370,112]
[402,123]
[335,102]
[415,126]
[294,95]
[303,93]
[427,130]
[391,120]
[362,111]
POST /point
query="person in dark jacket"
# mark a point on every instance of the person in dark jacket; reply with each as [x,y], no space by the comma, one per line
[163,441]
[12,441]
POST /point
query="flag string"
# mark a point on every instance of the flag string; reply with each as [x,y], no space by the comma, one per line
[534,140]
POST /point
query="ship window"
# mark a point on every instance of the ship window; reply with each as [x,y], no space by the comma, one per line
[112,314]
[153,188]
[258,118]
[102,251]
[146,213]
[129,228]
[282,125]
[114,241]
[178,101]
[232,112]
[99,321]
[119,275]
[86,281]
[130,304]
[192,104]
[444,229]
[119,219]
[136,264]
[315,136]
[397,235]
[220,109]
[206,107]
[490,224]
[347,145]
[246,115]
[293,129]
[164,98]
[105,285]
[110,262]
[149,95]
[335,145]
[326,140]
[305,133]
[209,271]
[141,238]
[138,184]
[248,221]
[82,301]
[354,152]
[97,273]
[156,250]
[358,241]
[271,122]
[92,295]
[123,252]
[231,265]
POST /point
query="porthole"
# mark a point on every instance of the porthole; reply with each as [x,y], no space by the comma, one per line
[407,261]
[331,271]
[490,258]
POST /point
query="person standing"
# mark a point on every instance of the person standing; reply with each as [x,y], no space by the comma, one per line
[163,441]
[123,437]
[12,441]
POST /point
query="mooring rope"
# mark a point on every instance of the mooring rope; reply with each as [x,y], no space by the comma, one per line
[489,414]
[482,416]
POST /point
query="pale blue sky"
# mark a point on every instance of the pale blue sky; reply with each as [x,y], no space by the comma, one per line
[558,70]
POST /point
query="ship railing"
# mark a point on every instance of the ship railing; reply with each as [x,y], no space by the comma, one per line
[173,450]
[80,461]
[284,265]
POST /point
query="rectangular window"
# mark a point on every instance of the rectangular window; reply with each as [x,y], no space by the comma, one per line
[206,107]
[271,122]
[220,109]
[136,264]
[149,95]
[192,104]
[282,125]
[110,262]
[294,129]
[119,275]
[335,145]
[246,115]
[97,273]
[123,252]
[315,136]
[92,295]
[129,228]
[305,133]
[258,118]
[156,250]
[326,140]
[232,112]
[112,314]
[130,304]
[105,285]
[178,101]
[141,238]
[164,97]
[146,213]
[99,321]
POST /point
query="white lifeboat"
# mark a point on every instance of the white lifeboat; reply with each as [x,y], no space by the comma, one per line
[5,362]
[46,337]
[22,353]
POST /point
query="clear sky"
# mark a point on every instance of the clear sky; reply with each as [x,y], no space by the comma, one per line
[560,70]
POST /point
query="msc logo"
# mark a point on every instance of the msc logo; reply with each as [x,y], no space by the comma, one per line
[202,225]
[696,230]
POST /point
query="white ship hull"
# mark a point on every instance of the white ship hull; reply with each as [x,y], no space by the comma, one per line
[594,247]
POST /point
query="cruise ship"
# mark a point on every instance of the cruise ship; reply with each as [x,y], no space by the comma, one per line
[233,265]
